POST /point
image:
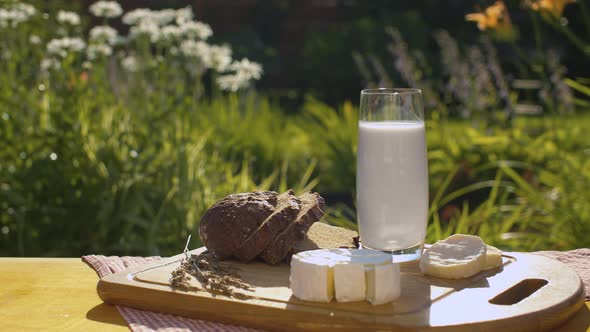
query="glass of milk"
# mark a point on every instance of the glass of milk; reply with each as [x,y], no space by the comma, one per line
[392,172]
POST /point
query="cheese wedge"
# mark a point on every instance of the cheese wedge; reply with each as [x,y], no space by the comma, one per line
[345,274]
[493,257]
[383,283]
[312,277]
[349,282]
[458,256]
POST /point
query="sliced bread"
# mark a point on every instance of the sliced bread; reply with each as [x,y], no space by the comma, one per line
[323,236]
[288,207]
[312,205]
[232,219]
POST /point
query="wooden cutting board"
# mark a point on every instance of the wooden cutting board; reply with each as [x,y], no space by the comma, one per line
[528,293]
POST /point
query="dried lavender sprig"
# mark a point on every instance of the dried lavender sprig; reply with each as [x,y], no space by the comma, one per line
[362,67]
[186,251]
[560,92]
[499,78]
[458,84]
[384,79]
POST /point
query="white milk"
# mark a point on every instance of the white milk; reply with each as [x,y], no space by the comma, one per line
[392,184]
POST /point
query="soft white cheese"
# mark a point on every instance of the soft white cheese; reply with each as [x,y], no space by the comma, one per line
[348,274]
[493,257]
[383,283]
[349,282]
[312,278]
[458,256]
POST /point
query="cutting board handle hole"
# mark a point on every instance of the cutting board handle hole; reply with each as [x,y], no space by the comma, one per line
[519,292]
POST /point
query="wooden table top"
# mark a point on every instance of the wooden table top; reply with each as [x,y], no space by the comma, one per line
[60,294]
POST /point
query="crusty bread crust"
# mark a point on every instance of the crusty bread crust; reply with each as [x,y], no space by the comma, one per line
[288,207]
[231,220]
[312,205]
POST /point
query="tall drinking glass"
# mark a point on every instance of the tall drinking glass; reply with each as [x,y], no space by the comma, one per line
[392,172]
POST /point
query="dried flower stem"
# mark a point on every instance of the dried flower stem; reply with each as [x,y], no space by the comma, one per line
[214,276]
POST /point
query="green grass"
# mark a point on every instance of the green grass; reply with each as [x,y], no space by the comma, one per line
[102,161]
[105,178]
[135,180]
[518,188]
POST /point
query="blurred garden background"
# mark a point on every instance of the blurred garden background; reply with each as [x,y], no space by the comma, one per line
[121,123]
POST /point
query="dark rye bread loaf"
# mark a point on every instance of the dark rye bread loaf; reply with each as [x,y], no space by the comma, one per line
[288,206]
[231,220]
[312,205]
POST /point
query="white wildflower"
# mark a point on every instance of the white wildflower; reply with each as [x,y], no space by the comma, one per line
[63,46]
[5,18]
[219,58]
[197,49]
[211,56]
[130,63]
[174,50]
[87,65]
[553,194]
[247,68]
[232,82]
[25,8]
[171,32]
[194,29]
[184,15]
[163,17]
[157,17]
[148,28]
[67,17]
[95,51]
[108,9]
[137,15]
[14,15]
[35,40]
[50,63]
[104,33]
[244,72]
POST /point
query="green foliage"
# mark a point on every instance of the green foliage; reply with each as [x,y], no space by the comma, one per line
[113,179]
[334,137]
[101,157]
[519,188]
[97,159]
[116,179]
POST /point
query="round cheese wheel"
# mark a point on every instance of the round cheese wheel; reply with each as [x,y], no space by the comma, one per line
[345,274]
[493,257]
[458,256]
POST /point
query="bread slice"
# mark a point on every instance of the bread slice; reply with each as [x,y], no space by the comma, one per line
[288,206]
[231,220]
[324,236]
[311,211]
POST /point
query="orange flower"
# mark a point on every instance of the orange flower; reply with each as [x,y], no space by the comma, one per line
[84,77]
[494,17]
[551,7]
